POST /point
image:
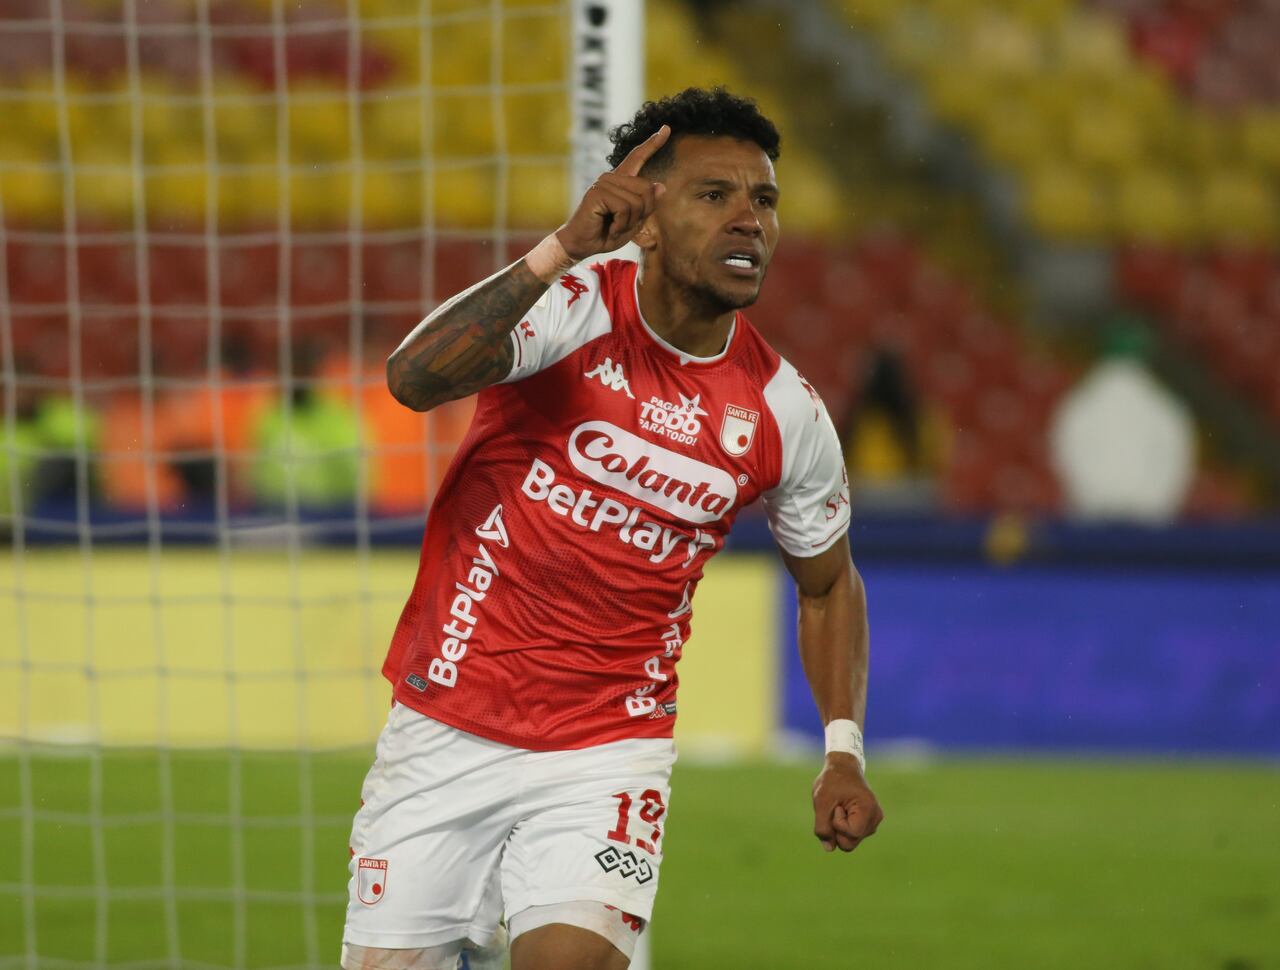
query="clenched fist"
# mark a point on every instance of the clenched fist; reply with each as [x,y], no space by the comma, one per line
[845,810]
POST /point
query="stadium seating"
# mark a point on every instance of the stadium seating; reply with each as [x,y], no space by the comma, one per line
[827,308]
[1055,92]
[1052,90]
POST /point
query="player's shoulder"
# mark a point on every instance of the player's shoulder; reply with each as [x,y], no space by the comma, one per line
[791,399]
[576,292]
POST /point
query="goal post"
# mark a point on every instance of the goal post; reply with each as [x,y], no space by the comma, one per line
[216,217]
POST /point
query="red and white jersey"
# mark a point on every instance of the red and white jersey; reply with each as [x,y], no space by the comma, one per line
[555,588]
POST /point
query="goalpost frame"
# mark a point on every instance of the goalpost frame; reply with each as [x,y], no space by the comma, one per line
[606,88]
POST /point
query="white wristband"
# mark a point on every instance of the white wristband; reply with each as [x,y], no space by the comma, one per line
[548,259]
[845,736]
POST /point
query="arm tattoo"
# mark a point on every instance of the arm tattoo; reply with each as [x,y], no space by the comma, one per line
[464,346]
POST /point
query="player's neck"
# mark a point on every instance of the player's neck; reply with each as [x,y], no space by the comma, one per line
[686,324]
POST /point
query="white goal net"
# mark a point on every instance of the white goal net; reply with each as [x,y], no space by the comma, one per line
[216,219]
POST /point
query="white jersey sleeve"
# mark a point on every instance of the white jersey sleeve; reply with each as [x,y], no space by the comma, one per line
[808,510]
[570,314]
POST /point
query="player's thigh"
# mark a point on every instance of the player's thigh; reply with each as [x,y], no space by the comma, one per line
[591,828]
[426,843]
[560,946]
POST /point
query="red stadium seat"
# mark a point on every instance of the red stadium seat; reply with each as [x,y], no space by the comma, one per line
[37,272]
[393,272]
[108,274]
[178,275]
[109,346]
[248,275]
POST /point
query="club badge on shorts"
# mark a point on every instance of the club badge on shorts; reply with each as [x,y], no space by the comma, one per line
[371,880]
[739,429]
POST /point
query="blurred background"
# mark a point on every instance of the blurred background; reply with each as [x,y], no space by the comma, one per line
[1031,261]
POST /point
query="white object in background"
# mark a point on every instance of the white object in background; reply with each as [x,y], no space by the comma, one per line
[1123,446]
[606,90]
[608,82]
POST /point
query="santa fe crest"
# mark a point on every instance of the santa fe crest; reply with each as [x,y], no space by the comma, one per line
[371,880]
[739,429]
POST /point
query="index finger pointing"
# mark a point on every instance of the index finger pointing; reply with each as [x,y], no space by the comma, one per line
[636,158]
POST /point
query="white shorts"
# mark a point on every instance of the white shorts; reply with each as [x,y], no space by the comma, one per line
[456,831]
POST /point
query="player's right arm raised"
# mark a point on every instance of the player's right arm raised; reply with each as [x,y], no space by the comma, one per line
[464,346]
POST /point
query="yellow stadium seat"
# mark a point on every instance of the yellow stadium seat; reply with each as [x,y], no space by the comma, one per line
[464,196]
[461,54]
[105,191]
[462,125]
[1003,46]
[177,186]
[871,13]
[392,200]
[320,197]
[1260,139]
[1092,45]
[537,196]
[374,9]
[32,111]
[1015,133]
[391,127]
[1045,14]
[811,199]
[534,50]
[537,124]
[1064,202]
[1153,206]
[100,127]
[249,197]
[1238,206]
[319,124]
[402,45]
[1104,135]
[32,190]
[245,125]
[1204,142]
[915,39]
[962,97]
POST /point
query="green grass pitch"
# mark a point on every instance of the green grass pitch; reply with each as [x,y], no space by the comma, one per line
[980,864]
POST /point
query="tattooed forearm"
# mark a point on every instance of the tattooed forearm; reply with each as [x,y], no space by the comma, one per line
[465,345]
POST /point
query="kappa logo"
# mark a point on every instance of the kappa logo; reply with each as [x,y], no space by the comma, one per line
[677,421]
[738,430]
[625,864]
[371,881]
[612,376]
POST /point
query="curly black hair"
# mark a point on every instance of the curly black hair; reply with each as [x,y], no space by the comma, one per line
[694,111]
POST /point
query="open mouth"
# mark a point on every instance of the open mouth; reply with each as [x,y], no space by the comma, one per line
[744,263]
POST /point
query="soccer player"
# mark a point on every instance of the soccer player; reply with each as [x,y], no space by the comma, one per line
[627,412]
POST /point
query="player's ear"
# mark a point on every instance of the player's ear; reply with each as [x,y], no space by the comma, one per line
[647,237]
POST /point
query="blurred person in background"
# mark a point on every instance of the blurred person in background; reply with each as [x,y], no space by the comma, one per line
[885,436]
[39,454]
[309,447]
[1123,446]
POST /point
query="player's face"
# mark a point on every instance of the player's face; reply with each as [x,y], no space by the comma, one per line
[716,226]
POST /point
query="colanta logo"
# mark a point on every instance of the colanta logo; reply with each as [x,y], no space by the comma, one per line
[687,488]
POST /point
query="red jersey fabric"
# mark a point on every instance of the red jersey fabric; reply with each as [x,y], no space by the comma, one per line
[561,555]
